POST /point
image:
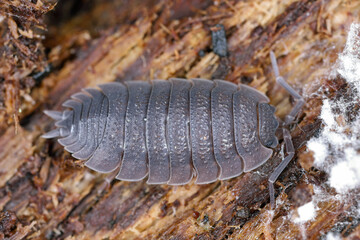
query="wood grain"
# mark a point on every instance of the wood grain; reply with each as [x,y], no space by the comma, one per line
[53,196]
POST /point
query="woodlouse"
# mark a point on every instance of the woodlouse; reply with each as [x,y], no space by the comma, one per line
[167,130]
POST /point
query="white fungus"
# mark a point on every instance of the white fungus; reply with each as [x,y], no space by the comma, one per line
[333,236]
[306,213]
[349,59]
[336,149]
[345,175]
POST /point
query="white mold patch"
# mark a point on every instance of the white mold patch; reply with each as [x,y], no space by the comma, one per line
[337,149]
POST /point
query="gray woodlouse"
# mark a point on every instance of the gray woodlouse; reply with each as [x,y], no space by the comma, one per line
[167,130]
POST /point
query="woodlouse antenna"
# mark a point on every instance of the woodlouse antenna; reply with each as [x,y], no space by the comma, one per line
[281,81]
[290,151]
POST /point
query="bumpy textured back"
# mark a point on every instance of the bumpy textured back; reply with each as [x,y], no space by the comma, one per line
[168,130]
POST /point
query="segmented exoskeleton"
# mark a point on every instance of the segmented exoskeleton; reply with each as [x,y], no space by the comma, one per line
[169,130]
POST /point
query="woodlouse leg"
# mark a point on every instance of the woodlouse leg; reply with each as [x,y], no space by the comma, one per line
[106,184]
[279,169]
[281,81]
[286,133]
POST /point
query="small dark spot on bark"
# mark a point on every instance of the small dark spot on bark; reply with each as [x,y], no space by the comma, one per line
[219,42]
[201,53]
[8,222]
[246,79]
[176,203]
[301,195]
[50,234]
[73,225]
[195,214]
[317,132]
[205,219]
[61,195]
[243,213]
[39,76]
[256,32]
[163,208]
[222,70]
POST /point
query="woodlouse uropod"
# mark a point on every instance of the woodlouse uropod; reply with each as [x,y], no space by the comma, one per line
[167,129]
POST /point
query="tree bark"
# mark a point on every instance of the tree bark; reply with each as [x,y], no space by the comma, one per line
[45,193]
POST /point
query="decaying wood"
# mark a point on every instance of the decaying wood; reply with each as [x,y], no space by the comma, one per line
[44,193]
[22,53]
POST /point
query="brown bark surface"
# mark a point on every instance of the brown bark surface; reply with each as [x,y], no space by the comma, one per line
[46,194]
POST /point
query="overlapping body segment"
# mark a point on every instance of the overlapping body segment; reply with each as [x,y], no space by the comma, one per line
[82,135]
[108,154]
[248,145]
[178,128]
[156,142]
[134,165]
[168,130]
[222,116]
[93,121]
[200,132]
